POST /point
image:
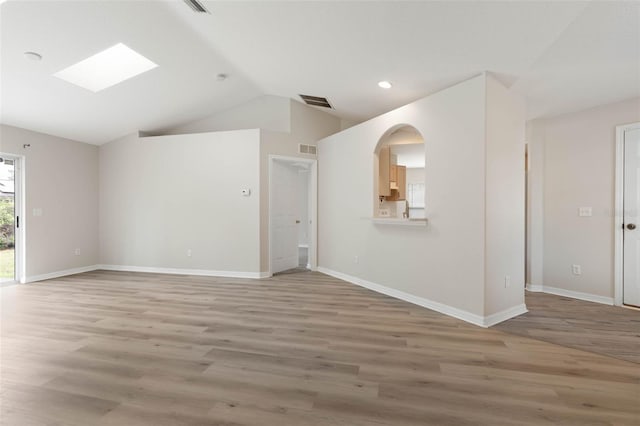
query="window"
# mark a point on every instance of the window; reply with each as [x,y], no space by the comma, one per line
[415,195]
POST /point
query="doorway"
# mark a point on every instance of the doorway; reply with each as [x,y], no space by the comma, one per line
[292,214]
[627,218]
[10,226]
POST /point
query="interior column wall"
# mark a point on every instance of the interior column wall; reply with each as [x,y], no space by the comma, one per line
[505,200]
[442,263]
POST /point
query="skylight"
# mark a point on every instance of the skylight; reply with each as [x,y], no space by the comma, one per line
[107,68]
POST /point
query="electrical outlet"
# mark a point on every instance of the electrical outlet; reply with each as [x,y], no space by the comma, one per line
[576,269]
[188,252]
[77,252]
[356,259]
[507,281]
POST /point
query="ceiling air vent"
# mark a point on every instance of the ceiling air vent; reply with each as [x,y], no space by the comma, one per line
[196,6]
[316,101]
[307,149]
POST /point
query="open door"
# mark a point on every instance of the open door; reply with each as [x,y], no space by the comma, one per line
[292,214]
[9,218]
[283,217]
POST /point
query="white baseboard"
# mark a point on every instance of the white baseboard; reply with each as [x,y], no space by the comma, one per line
[59,274]
[498,317]
[429,304]
[573,294]
[181,271]
[536,288]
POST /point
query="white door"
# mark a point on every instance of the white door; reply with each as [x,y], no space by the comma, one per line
[10,241]
[631,223]
[283,211]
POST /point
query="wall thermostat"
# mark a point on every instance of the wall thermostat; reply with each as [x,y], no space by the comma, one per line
[246,192]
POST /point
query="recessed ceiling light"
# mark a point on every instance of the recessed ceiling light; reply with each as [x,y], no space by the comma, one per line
[33,56]
[107,68]
[385,84]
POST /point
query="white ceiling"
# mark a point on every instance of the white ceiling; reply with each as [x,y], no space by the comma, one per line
[410,155]
[562,56]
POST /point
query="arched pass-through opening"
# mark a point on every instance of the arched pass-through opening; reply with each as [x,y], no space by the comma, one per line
[399,174]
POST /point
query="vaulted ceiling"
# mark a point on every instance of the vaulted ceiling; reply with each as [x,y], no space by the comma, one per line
[562,56]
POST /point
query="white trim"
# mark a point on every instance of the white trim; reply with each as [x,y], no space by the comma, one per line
[303,245]
[181,271]
[504,315]
[618,214]
[313,208]
[429,304]
[534,288]
[573,294]
[59,274]
[19,197]
[21,209]
[399,222]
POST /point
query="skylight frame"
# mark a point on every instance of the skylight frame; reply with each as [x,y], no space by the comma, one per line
[107,68]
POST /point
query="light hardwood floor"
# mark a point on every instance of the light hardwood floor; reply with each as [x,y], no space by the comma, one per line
[593,327]
[109,348]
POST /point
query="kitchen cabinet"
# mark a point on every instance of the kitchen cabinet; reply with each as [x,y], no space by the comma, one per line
[392,178]
[399,186]
[384,162]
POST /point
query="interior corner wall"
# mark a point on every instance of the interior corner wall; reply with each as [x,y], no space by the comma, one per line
[578,170]
[61,179]
[535,206]
[505,199]
[309,124]
[162,196]
[441,264]
[266,112]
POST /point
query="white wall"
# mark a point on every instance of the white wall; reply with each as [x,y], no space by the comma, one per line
[505,200]
[345,123]
[308,125]
[415,175]
[573,161]
[265,112]
[283,124]
[61,180]
[535,207]
[424,262]
[161,196]
[443,264]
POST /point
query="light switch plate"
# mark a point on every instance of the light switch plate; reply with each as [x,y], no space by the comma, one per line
[585,212]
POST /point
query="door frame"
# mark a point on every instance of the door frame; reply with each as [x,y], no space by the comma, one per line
[313,206]
[618,214]
[19,210]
